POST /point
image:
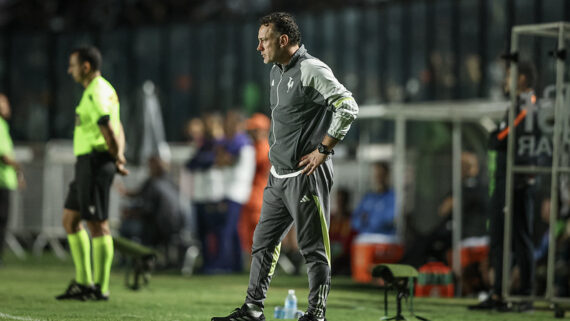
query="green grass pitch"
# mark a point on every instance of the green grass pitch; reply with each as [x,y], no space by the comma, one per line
[27,290]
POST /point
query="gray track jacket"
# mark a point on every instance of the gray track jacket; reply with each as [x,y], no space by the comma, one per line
[307,102]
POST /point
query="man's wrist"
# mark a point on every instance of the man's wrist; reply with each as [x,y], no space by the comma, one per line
[120,158]
[324,149]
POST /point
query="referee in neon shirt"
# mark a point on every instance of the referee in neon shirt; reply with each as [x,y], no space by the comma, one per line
[98,143]
[10,173]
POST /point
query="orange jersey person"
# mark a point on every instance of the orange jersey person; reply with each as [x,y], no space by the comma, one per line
[258,128]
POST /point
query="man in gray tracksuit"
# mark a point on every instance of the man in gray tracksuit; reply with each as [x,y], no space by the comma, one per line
[310,112]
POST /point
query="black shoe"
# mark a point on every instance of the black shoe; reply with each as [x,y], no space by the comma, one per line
[524,306]
[488,304]
[97,295]
[310,317]
[75,291]
[245,313]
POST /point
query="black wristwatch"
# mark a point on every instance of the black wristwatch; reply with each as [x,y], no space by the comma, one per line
[324,150]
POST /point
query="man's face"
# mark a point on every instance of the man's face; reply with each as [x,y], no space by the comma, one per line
[232,123]
[76,69]
[268,44]
[195,129]
[380,178]
[521,82]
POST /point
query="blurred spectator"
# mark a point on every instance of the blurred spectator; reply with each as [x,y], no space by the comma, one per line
[523,188]
[341,233]
[206,188]
[524,185]
[235,155]
[154,216]
[474,200]
[375,213]
[205,135]
[195,132]
[435,245]
[10,173]
[258,129]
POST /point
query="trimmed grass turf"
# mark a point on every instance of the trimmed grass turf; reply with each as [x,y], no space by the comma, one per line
[27,290]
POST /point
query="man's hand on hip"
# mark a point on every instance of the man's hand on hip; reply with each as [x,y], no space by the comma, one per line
[312,161]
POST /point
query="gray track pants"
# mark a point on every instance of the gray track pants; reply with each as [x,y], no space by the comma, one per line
[304,200]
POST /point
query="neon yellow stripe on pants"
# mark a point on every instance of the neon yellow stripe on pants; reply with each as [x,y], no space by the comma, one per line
[275,258]
[324,230]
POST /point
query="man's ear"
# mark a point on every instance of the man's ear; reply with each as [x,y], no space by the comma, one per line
[283,40]
[86,67]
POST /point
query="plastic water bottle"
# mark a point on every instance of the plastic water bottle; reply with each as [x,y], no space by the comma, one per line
[279,313]
[290,305]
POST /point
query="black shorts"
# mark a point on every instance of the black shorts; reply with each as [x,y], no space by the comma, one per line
[89,190]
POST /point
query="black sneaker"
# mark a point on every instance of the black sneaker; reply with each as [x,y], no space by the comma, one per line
[310,317]
[75,291]
[245,313]
[97,295]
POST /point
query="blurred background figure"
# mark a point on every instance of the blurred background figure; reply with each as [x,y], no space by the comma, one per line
[154,216]
[373,222]
[10,172]
[526,127]
[437,244]
[258,129]
[474,198]
[206,188]
[375,212]
[195,136]
[235,155]
[195,133]
[341,233]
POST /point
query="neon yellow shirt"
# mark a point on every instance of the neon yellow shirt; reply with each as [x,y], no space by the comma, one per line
[99,99]
[8,178]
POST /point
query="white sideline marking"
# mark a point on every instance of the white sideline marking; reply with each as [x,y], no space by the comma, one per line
[13,317]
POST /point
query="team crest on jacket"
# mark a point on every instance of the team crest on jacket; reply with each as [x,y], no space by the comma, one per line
[290,84]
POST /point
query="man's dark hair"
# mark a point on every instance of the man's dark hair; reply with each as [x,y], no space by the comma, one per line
[527,69]
[89,54]
[284,24]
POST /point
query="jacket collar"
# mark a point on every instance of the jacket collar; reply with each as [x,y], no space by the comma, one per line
[294,59]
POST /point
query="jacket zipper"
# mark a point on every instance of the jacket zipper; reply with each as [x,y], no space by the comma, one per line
[272,118]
